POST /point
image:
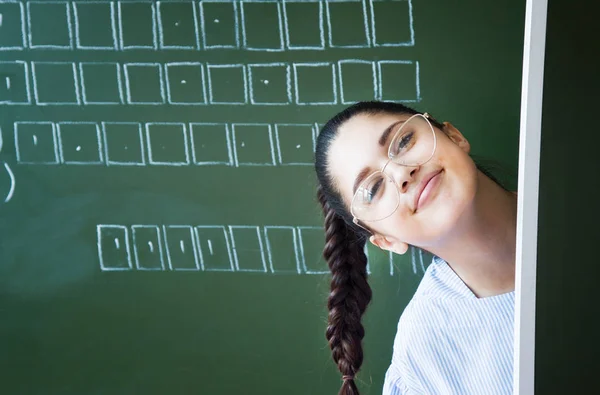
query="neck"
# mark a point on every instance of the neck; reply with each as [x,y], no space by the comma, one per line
[481,249]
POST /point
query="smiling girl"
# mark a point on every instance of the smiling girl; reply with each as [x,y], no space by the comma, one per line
[398,178]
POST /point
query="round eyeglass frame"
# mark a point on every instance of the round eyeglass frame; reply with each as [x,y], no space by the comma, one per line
[355,219]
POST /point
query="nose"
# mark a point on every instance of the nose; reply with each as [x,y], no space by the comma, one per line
[401,175]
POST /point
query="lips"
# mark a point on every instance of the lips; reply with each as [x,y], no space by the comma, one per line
[422,186]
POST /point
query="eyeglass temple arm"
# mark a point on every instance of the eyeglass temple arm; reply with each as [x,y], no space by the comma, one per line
[356,222]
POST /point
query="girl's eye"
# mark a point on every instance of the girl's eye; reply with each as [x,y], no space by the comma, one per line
[372,194]
[405,141]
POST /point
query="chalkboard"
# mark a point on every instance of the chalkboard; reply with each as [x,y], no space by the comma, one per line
[158,226]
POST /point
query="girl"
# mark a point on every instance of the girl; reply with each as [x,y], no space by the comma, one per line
[397,178]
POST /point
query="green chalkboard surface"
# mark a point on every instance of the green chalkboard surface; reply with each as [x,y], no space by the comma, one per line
[159,232]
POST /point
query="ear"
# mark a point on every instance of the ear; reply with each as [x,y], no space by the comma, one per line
[397,247]
[457,137]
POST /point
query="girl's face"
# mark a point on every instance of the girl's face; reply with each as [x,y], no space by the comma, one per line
[358,150]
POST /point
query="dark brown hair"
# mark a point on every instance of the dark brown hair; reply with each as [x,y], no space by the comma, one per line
[344,251]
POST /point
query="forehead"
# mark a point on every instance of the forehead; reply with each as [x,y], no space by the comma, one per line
[356,146]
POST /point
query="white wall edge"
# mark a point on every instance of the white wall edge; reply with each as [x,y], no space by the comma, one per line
[528,196]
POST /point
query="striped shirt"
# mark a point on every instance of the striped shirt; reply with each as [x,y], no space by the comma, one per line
[451,342]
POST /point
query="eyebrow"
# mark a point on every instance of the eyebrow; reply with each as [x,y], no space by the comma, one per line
[382,141]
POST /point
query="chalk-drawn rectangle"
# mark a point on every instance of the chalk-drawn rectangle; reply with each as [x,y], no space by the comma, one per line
[270,83]
[181,247]
[247,248]
[14,83]
[147,247]
[219,23]
[55,83]
[185,83]
[398,80]
[262,28]
[227,84]
[144,83]
[167,144]
[282,249]
[295,144]
[312,242]
[137,25]
[177,25]
[357,80]
[113,247]
[101,83]
[303,24]
[95,25]
[253,145]
[210,144]
[315,83]
[80,143]
[35,143]
[347,23]
[49,25]
[12,26]
[392,23]
[123,143]
[213,248]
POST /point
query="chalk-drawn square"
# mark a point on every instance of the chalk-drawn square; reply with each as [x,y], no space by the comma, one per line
[137,27]
[80,143]
[262,26]
[113,247]
[185,83]
[295,144]
[253,145]
[181,248]
[357,81]
[95,25]
[304,24]
[219,24]
[144,83]
[282,249]
[55,83]
[101,83]
[210,144]
[123,143]
[312,241]
[398,80]
[270,83]
[14,85]
[315,83]
[213,250]
[391,23]
[147,247]
[247,248]
[167,144]
[35,142]
[227,84]
[12,28]
[49,24]
[347,22]
[177,25]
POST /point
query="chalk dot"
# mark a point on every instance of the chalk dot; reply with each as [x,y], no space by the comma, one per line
[78,148]
[126,147]
[266,82]
[243,144]
[176,23]
[183,81]
[216,21]
[298,146]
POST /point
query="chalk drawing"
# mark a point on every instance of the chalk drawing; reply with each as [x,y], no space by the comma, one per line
[395,8]
[214,249]
[221,78]
[79,143]
[403,72]
[270,84]
[36,143]
[317,78]
[175,32]
[347,18]
[167,144]
[13,183]
[253,145]
[312,261]
[282,249]
[295,144]
[49,13]
[147,247]
[15,81]
[113,247]
[144,83]
[210,144]
[139,15]
[304,25]
[52,83]
[262,25]
[11,40]
[123,143]
[247,248]
[219,24]
[103,85]
[360,74]
[180,258]
[185,83]
[89,19]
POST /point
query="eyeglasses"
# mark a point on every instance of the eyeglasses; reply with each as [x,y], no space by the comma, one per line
[378,196]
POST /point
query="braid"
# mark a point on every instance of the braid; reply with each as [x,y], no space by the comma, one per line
[349,296]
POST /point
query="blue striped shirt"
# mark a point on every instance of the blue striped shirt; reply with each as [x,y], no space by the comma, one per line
[451,342]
